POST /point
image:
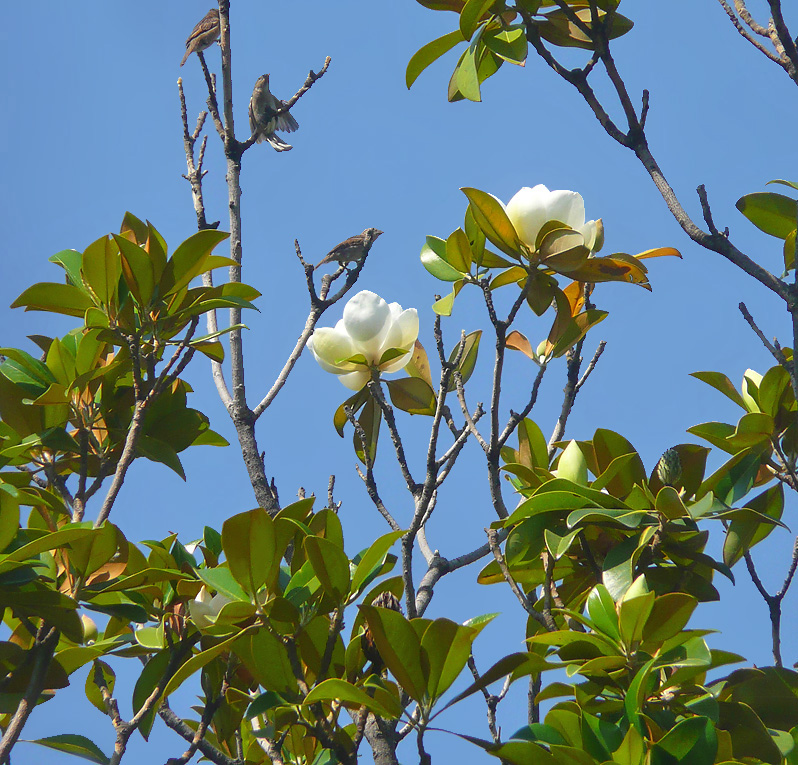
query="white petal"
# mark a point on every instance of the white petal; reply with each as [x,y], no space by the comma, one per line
[217,602]
[365,316]
[567,207]
[527,211]
[589,231]
[355,380]
[408,322]
[330,347]
[402,334]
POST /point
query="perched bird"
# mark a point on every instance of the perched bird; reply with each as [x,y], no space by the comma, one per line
[264,119]
[205,34]
[352,250]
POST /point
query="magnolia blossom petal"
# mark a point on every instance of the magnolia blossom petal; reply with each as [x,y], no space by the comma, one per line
[568,207]
[365,317]
[407,321]
[354,380]
[204,609]
[527,212]
[590,232]
[330,346]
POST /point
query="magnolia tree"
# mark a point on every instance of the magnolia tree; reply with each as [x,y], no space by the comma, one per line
[298,650]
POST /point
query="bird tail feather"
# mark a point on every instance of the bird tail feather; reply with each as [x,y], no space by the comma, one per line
[277,143]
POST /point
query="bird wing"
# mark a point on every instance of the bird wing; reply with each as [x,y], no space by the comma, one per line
[208,22]
[286,121]
[253,123]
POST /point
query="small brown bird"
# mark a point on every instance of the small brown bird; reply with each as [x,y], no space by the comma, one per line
[205,34]
[352,250]
[264,119]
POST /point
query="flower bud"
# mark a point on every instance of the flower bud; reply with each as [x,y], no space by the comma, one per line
[669,468]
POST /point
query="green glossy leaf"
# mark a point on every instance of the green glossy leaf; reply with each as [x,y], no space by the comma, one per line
[632,616]
[750,737]
[601,609]
[447,646]
[102,673]
[350,695]
[721,383]
[199,660]
[369,420]
[491,217]
[517,664]
[189,260]
[669,616]
[458,251]
[775,214]
[153,674]
[443,307]
[466,74]
[510,43]
[270,663]
[138,270]
[412,395]
[575,330]
[331,566]
[400,648]
[355,402]
[468,358]
[101,269]
[471,16]
[373,558]
[74,744]
[70,261]
[692,740]
[433,258]
[430,53]
[89,553]
[752,429]
[56,298]
[248,540]
[558,29]
[9,519]
[748,529]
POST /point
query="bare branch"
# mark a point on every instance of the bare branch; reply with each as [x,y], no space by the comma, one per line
[747,34]
[542,619]
[572,387]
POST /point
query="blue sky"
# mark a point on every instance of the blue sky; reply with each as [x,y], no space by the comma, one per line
[93,129]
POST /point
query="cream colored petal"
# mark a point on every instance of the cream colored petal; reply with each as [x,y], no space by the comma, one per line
[402,334]
[218,601]
[589,231]
[365,316]
[355,380]
[567,207]
[527,212]
[408,323]
[330,347]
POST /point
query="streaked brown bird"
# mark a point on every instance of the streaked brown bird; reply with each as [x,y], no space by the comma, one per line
[205,34]
[264,119]
[352,250]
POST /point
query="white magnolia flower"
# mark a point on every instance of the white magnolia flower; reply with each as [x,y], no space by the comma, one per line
[530,209]
[204,609]
[369,328]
